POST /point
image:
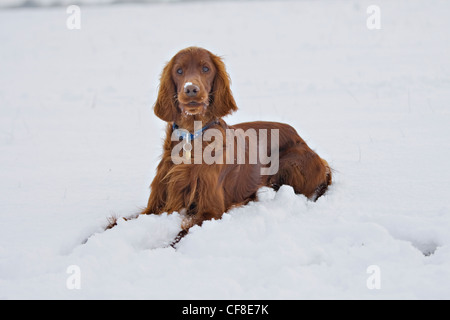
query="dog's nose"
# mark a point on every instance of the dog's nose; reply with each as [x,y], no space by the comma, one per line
[191,90]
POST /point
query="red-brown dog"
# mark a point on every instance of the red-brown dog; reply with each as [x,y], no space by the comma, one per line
[196,87]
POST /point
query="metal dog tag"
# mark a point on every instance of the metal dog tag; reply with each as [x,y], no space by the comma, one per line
[187,147]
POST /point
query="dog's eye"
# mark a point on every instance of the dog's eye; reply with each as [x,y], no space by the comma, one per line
[180,71]
[205,69]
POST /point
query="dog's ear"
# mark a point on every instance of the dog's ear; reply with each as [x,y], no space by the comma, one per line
[222,99]
[165,107]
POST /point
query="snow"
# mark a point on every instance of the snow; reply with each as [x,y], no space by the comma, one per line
[47,3]
[79,143]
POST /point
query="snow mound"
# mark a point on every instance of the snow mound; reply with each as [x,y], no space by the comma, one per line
[143,233]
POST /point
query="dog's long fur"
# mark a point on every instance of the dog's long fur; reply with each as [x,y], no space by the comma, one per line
[206,191]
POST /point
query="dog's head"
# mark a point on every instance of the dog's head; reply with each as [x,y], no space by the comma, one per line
[194,83]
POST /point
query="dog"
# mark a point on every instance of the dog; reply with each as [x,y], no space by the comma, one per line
[194,95]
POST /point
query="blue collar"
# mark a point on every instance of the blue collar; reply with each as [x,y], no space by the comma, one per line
[183,134]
